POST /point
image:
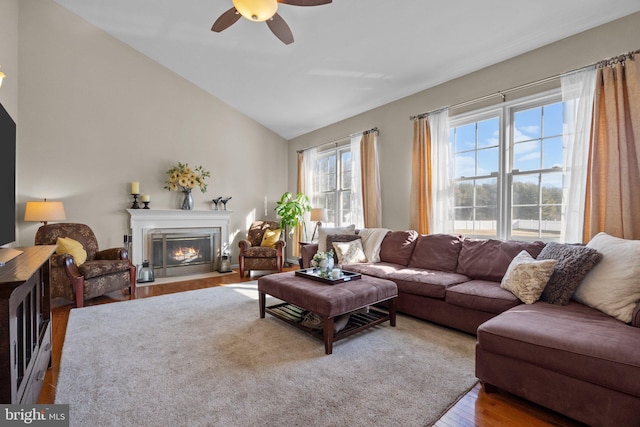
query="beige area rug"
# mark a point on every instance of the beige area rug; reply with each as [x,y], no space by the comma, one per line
[205,358]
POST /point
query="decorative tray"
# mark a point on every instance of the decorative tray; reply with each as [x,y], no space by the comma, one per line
[313,274]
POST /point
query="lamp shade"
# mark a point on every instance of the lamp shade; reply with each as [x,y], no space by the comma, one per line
[256,10]
[319,214]
[44,211]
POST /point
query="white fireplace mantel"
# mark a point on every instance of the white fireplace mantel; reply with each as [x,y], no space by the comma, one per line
[145,220]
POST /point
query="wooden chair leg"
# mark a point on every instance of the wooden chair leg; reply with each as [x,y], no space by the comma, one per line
[133,275]
[78,290]
[241,266]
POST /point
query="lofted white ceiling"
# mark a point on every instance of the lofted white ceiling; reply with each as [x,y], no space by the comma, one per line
[348,57]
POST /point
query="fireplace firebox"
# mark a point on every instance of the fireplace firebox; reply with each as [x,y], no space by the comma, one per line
[179,252]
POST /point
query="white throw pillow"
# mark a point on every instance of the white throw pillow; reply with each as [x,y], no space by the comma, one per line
[349,252]
[613,286]
[323,232]
[527,277]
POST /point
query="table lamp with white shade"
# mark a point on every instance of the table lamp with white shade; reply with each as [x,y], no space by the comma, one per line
[318,215]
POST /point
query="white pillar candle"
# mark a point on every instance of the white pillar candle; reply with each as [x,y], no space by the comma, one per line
[335,273]
[135,187]
[146,198]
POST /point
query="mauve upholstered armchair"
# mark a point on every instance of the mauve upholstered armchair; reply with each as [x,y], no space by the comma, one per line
[255,257]
[103,271]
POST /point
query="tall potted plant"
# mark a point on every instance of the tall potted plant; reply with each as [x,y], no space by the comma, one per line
[291,211]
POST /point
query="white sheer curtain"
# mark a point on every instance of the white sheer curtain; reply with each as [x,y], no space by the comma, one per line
[308,165]
[356,211]
[441,188]
[578,89]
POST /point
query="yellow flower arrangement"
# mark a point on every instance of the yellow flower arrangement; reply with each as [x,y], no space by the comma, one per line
[183,178]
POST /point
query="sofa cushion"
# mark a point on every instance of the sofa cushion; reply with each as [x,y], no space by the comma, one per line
[378,269]
[613,286]
[482,295]
[574,262]
[572,340]
[99,268]
[429,283]
[397,247]
[489,259]
[436,252]
[526,277]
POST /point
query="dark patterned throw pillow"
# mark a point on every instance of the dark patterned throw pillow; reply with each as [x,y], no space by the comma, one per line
[574,262]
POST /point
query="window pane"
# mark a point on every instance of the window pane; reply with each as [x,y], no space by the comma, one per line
[552,190]
[488,133]
[525,221]
[465,138]
[526,155]
[463,195]
[525,190]
[487,192]
[486,221]
[553,118]
[527,124]
[488,161]
[552,153]
[465,165]
[463,221]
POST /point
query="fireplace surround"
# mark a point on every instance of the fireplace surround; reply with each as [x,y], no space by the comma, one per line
[177,223]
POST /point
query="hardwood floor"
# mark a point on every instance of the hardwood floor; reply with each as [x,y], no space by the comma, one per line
[476,408]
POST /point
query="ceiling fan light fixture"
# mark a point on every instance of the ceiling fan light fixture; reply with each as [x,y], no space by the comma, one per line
[256,10]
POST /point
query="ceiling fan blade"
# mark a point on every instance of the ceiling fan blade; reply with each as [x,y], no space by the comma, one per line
[226,20]
[304,2]
[280,29]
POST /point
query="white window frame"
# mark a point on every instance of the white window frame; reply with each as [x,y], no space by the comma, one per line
[506,111]
[334,216]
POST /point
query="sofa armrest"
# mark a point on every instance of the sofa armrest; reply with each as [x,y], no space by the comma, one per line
[112,254]
[244,245]
[306,253]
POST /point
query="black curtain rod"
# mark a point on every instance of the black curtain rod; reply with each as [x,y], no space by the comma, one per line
[336,141]
[502,93]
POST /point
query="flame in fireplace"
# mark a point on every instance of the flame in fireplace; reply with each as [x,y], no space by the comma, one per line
[185,254]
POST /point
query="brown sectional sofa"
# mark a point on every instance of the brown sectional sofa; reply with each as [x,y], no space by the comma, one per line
[573,359]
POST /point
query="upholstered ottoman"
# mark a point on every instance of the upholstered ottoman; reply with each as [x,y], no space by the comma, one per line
[328,301]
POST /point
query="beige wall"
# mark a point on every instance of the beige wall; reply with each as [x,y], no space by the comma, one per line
[96,115]
[392,119]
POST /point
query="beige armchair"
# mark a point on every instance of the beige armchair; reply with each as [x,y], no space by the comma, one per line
[102,272]
[255,257]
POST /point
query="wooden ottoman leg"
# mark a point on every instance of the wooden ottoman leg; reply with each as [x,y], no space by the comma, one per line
[327,332]
[392,312]
[262,303]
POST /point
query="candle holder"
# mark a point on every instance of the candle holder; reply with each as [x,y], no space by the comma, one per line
[146,205]
[135,204]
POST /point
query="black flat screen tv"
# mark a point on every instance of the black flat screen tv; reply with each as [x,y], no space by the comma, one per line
[7,178]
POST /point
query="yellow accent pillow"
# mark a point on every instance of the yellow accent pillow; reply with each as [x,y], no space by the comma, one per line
[72,247]
[270,238]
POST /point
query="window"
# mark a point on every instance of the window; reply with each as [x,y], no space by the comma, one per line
[507,170]
[332,184]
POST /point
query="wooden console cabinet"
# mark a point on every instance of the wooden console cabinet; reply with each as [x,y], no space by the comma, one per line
[25,324]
